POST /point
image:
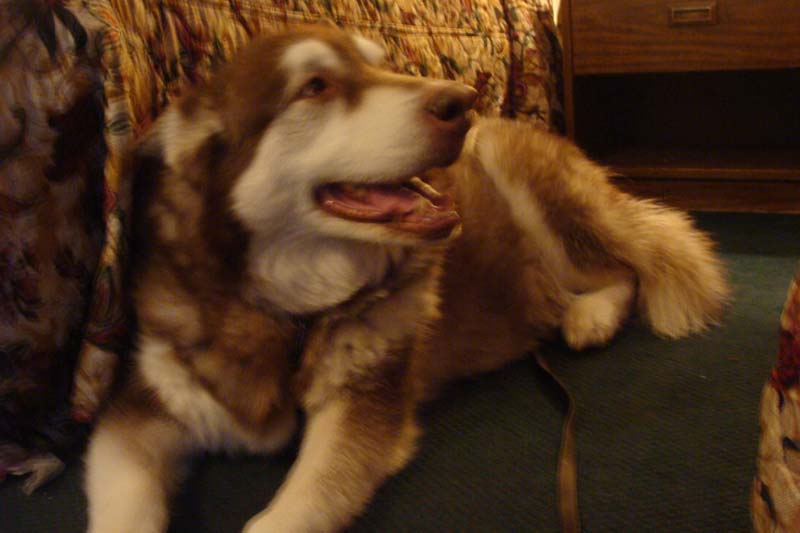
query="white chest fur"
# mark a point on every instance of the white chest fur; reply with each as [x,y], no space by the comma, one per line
[303,274]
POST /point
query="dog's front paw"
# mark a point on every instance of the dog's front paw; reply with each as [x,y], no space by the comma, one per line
[271,522]
[591,321]
[261,523]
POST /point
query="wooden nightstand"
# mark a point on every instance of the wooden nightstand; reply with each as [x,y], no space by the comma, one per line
[694,102]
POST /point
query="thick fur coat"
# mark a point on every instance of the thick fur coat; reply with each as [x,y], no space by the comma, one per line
[316,233]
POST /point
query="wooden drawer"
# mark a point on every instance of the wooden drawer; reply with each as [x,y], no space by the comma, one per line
[674,35]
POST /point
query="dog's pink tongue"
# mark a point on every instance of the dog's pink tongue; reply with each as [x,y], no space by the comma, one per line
[418,210]
[371,203]
[389,202]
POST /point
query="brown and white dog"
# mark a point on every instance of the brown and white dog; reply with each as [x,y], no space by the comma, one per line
[295,206]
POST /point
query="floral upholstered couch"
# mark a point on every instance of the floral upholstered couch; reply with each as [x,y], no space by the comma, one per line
[81,79]
[776,488]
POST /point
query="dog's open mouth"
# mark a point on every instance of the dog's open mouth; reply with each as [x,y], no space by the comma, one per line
[412,206]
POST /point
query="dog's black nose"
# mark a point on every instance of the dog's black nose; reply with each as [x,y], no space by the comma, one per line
[448,104]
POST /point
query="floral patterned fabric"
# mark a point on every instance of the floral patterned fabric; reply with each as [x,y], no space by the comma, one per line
[81,79]
[150,49]
[776,489]
[535,66]
[51,153]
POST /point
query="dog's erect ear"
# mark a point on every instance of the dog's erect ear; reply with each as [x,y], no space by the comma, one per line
[371,51]
[185,128]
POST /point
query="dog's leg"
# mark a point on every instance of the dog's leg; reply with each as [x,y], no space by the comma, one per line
[593,318]
[131,470]
[551,185]
[353,384]
[350,447]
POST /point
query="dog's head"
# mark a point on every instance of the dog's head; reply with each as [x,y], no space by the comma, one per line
[310,132]
[296,164]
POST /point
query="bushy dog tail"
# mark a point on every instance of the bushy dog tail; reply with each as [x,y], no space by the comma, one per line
[549,181]
[682,282]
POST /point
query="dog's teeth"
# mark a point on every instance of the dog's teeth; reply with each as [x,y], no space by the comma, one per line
[424,188]
[354,191]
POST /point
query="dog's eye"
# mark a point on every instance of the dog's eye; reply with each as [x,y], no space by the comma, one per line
[314,87]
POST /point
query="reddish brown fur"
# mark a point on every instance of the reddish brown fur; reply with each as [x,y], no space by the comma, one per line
[486,319]
[443,311]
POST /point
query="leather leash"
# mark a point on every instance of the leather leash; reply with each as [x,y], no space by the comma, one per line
[567,474]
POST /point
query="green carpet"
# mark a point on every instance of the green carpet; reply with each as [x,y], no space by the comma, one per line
[667,431]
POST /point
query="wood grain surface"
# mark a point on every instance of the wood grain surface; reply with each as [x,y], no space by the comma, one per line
[636,36]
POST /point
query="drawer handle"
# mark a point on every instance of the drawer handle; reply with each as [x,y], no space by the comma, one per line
[693,14]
